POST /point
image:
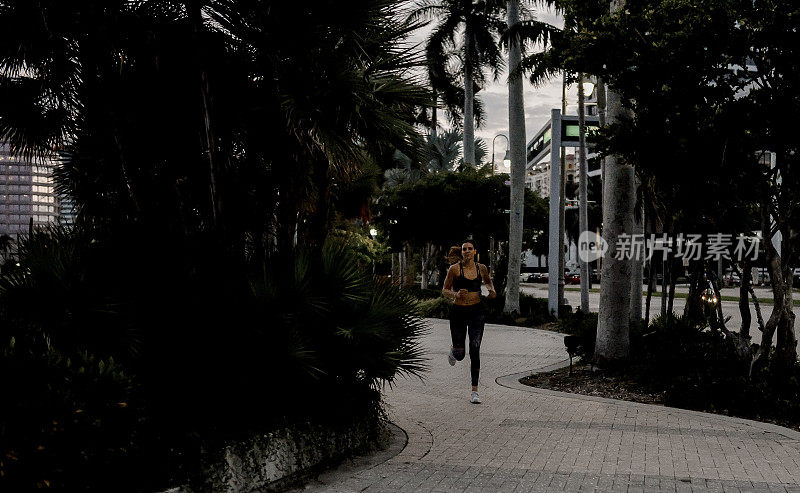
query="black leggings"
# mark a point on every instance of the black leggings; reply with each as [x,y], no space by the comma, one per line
[463,320]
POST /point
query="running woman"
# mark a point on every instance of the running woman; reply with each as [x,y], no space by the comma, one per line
[463,287]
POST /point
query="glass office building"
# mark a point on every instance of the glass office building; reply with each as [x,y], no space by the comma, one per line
[26,193]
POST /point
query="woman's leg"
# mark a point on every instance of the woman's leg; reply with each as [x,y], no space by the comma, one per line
[458,332]
[476,324]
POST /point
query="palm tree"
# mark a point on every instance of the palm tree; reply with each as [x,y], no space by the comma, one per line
[517,144]
[519,32]
[613,329]
[477,51]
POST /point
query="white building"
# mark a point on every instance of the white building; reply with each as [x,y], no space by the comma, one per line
[26,193]
[538,175]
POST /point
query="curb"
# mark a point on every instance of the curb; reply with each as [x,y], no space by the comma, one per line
[322,479]
[512,381]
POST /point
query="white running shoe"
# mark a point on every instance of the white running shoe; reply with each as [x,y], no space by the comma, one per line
[451,358]
[475,398]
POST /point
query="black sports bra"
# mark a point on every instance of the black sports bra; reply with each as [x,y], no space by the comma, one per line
[471,285]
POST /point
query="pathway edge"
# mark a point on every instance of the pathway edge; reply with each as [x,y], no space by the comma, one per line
[512,381]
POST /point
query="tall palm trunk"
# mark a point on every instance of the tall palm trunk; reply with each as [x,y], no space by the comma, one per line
[469,99]
[613,330]
[195,15]
[583,210]
[516,142]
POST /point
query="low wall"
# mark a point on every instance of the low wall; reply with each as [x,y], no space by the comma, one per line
[270,461]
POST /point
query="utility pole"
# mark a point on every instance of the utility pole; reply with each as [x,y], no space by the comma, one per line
[561,199]
[555,242]
[583,209]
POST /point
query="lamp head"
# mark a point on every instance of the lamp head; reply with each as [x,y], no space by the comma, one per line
[588,88]
[507,159]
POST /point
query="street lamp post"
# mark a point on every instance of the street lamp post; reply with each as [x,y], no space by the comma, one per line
[507,158]
[506,163]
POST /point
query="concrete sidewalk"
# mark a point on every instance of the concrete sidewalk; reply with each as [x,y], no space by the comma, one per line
[524,439]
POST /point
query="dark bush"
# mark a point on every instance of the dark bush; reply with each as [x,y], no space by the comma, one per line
[701,369]
[423,294]
[125,359]
[532,311]
[66,417]
[583,325]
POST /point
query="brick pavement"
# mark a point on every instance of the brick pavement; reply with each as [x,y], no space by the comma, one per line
[525,439]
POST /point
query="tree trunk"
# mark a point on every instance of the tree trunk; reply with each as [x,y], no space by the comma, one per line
[401,275]
[583,219]
[423,282]
[613,321]
[195,14]
[637,262]
[469,99]
[757,306]
[673,277]
[517,144]
[744,302]
[651,286]
[782,314]
[318,223]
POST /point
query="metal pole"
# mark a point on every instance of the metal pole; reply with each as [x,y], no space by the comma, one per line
[583,208]
[562,197]
[554,250]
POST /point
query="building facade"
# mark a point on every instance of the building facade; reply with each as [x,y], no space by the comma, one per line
[27,194]
[538,175]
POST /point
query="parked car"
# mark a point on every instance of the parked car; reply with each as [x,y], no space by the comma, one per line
[731,279]
[572,278]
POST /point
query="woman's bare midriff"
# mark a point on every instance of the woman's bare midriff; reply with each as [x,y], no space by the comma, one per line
[470,298]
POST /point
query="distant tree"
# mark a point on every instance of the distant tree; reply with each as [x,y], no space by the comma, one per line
[442,209]
[480,25]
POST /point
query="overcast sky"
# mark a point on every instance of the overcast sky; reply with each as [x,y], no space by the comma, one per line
[538,100]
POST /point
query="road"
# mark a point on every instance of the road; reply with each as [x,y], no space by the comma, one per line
[729,308]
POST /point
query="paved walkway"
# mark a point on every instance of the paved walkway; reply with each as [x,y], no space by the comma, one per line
[522,439]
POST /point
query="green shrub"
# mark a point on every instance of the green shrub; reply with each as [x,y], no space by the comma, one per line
[434,308]
[67,421]
[701,369]
[423,294]
[533,311]
[583,325]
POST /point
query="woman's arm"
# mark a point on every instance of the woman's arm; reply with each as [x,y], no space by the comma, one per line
[488,281]
[447,289]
